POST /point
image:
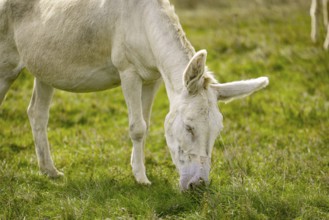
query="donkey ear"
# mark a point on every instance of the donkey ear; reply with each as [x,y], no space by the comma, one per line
[239,89]
[194,71]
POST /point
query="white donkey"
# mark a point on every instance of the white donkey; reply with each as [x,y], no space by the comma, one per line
[92,45]
[314,12]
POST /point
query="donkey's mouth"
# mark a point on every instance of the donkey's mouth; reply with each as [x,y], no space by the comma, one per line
[193,176]
[194,184]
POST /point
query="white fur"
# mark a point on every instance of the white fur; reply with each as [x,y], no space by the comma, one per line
[92,45]
[314,12]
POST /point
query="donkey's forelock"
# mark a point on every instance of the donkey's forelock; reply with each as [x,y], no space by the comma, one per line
[209,78]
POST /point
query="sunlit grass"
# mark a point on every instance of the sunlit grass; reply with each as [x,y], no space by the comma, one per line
[270,162]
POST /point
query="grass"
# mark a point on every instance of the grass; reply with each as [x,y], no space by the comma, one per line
[270,162]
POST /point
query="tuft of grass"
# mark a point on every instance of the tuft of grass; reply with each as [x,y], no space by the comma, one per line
[270,162]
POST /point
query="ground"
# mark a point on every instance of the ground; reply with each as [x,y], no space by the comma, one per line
[270,162]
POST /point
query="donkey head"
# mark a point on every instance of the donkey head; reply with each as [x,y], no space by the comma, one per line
[194,120]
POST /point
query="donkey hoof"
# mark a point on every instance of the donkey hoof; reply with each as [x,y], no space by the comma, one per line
[53,173]
[143,180]
[58,174]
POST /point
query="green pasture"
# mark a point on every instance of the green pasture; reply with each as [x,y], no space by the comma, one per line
[270,162]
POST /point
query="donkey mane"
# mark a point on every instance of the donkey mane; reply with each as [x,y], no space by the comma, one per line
[169,11]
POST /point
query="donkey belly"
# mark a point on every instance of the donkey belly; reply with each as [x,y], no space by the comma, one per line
[73,77]
[82,79]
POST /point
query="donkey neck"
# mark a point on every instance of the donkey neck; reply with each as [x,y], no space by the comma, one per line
[170,47]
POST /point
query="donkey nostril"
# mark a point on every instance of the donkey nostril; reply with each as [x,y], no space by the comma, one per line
[199,183]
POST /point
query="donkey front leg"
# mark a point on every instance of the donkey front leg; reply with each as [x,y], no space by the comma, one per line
[148,95]
[38,112]
[132,89]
